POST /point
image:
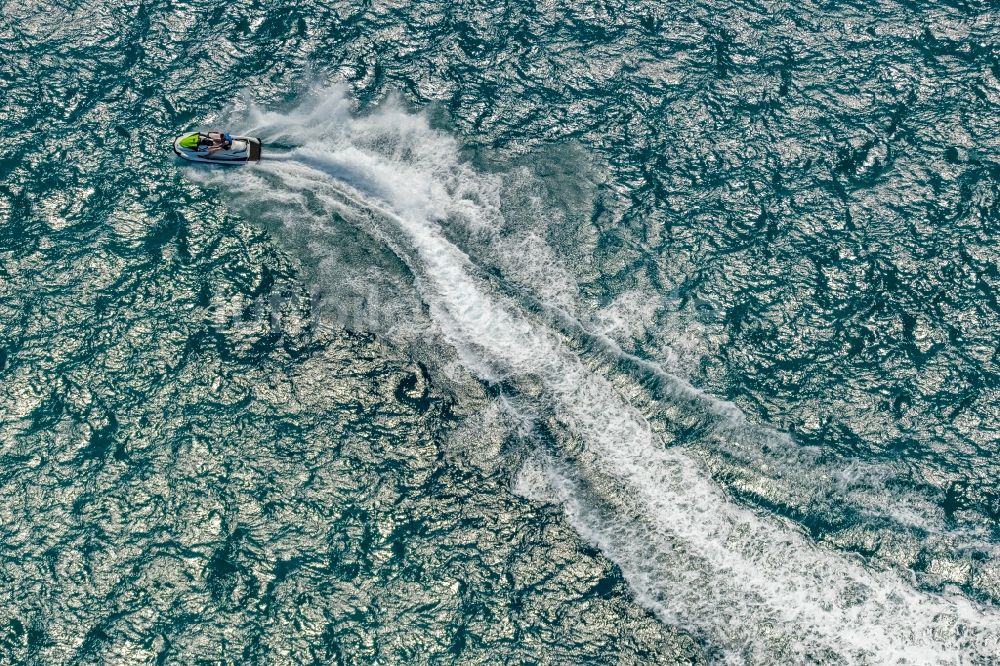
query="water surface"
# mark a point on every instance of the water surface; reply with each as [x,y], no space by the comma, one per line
[558,333]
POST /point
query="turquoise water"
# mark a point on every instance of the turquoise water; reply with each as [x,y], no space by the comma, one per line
[543,333]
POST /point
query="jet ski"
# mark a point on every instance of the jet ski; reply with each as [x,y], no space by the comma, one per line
[194,146]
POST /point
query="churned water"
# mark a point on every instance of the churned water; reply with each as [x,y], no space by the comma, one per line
[543,333]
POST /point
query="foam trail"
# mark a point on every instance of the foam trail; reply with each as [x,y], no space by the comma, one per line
[754,587]
[771,465]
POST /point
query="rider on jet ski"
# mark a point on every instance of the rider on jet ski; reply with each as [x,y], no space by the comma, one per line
[222,142]
[217,147]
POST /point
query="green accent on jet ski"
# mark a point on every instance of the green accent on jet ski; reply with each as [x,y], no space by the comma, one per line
[189,142]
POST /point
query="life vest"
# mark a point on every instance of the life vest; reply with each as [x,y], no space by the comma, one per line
[190,142]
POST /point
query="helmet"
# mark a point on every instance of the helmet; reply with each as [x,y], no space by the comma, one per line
[228,137]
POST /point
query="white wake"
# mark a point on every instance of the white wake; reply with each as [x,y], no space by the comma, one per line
[752,586]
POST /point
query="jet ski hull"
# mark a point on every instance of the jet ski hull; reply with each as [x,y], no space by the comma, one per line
[245,149]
